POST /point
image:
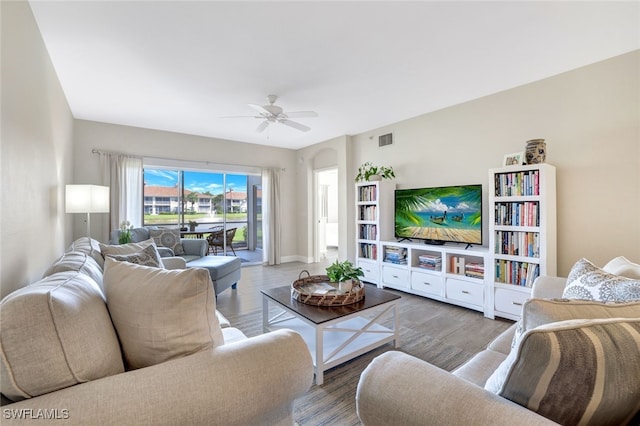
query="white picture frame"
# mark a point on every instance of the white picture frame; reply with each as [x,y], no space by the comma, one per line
[513,159]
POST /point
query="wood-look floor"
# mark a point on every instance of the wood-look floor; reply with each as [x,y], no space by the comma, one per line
[442,334]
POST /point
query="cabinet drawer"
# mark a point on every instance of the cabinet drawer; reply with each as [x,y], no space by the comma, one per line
[509,301]
[395,277]
[465,291]
[371,271]
[427,283]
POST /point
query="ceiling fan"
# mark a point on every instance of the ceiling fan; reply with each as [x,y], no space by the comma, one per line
[274,114]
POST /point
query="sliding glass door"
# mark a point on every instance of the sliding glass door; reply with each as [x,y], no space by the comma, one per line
[202,203]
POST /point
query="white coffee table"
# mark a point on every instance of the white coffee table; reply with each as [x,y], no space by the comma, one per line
[338,334]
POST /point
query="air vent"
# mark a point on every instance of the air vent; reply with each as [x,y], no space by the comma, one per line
[384,140]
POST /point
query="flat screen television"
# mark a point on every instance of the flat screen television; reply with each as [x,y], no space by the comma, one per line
[440,214]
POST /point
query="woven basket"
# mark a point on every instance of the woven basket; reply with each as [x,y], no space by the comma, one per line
[308,290]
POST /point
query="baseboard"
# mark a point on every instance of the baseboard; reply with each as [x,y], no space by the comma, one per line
[296,258]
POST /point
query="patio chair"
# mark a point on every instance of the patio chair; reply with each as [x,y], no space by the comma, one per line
[216,239]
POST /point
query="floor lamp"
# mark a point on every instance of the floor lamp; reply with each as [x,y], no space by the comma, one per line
[87,199]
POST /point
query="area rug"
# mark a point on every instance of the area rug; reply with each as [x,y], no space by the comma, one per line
[333,403]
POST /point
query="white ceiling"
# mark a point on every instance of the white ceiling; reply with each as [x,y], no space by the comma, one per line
[180,66]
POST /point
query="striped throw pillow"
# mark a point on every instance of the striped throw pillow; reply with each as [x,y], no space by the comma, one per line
[575,372]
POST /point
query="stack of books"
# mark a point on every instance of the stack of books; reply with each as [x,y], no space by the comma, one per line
[430,261]
[474,270]
[396,255]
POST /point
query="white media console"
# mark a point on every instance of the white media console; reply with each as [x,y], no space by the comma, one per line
[495,280]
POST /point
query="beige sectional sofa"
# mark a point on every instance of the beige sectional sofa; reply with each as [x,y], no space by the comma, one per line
[541,368]
[104,342]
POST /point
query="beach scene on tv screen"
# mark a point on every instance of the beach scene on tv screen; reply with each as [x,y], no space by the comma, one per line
[452,213]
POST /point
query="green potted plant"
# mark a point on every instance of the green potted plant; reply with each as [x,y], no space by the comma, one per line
[192,225]
[344,273]
[368,172]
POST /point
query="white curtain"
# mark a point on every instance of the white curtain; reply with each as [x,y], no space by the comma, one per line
[271,216]
[123,175]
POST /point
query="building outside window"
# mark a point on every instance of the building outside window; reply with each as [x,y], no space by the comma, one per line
[174,197]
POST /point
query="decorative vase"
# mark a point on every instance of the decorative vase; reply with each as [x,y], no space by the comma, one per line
[345,285]
[192,227]
[373,178]
[536,151]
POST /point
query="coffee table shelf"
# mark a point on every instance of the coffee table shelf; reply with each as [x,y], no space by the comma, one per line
[334,335]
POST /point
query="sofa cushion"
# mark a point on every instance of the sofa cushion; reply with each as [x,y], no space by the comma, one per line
[76,261]
[502,343]
[147,257]
[588,282]
[575,372]
[168,238]
[537,312]
[56,333]
[130,248]
[479,368]
[161,314]
[89,246]
[623,266]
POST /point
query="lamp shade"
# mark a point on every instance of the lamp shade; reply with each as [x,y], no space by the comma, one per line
[86,199]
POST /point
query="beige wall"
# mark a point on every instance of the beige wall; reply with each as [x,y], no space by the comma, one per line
[89,135]
[590,118]
[36,153]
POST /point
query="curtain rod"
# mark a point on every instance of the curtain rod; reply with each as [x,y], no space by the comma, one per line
[208,163]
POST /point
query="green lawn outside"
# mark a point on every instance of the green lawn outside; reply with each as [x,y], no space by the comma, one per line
[166,219]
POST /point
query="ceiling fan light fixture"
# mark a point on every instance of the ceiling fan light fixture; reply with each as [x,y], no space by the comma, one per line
[275,114]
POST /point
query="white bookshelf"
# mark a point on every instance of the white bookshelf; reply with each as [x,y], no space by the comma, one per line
[374,222]
[522,234]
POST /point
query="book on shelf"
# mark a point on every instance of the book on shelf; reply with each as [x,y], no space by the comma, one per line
[474,270]
[517,243]
[517,214]
[397,255]
[368,193]
[524,183]
[368,212]
[368,232]
[429,261]
[516,273]
[369,251]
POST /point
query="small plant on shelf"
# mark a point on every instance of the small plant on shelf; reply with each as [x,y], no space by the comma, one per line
[192,225]
[367,171]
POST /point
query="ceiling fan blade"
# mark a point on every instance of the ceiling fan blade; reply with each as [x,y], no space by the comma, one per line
[301,114]
[260,109]
[262,126]
[295,125]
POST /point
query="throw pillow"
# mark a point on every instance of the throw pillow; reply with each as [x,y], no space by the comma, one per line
[575,372]
[622,266]
[161,314]
[588,282]
[130,248]
[147,257]
[56,333]
[168,238]
[537,312]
